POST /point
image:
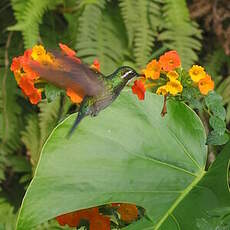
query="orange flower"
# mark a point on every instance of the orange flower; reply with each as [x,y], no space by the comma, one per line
[100,222]
[205,85]
[27,54]
[96,220]
[35,97]
[74,97]
[68,219]
[152,70]
[170,60]
[16,64]
[128,212]
[73,219]
[96,65]
[139,89]
[27,85]
[69,52]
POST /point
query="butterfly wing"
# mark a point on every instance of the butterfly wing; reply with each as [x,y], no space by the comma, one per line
[70,74]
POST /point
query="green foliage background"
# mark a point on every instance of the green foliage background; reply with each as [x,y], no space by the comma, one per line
[123,32]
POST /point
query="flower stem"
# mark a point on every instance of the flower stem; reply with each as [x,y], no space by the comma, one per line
[164,109]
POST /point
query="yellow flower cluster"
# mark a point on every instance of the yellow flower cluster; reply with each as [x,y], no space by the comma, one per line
[202,79]
[173,86]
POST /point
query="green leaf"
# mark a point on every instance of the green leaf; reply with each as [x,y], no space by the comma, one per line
[190,95]
[214,103]
[216,139]
[213,98]
[217,124]
[129,153]
[218,110]
[210,194]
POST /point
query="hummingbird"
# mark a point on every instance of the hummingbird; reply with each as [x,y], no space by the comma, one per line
[97,89]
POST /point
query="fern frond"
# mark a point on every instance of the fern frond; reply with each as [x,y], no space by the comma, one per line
[48,116]
[10,110]
[90,19]
[144,36]
[39,126]
[130,17]
[7,216]
[179,32]
[101,39]
[31,138]
[146,32]
[29,15]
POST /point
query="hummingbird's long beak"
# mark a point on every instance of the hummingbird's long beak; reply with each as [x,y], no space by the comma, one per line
[140,75]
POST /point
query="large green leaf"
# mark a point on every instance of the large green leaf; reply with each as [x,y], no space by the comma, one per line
[199,209]
[128,153]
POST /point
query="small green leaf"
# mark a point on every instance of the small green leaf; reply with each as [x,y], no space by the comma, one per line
[215,139]
[214,103]
[217,124]
[218,110]
[213,98]
[190,96]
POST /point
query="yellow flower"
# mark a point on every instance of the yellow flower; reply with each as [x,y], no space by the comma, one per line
[174,87]
[47,59]
[38,51]
[18,74]
[152,70]
[197,73]
[39,54]
[162,90]
[172,75]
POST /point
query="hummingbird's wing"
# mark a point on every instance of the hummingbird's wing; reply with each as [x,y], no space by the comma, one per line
[70,74]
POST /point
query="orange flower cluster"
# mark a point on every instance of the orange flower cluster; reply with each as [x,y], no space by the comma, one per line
[27,78]
[157,73]
[164,77]
[128,212]
[96,220]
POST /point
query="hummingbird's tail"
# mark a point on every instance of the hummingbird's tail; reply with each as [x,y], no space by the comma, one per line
[83,111]
[80,116]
